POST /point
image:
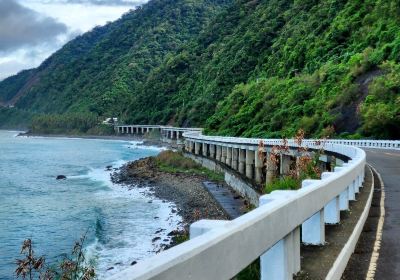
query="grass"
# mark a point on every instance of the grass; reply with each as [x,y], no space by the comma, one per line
[285,183]
[175,162]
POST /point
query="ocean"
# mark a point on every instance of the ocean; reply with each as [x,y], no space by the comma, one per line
[120,224]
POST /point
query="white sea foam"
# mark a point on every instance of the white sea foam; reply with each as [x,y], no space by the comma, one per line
[142,230]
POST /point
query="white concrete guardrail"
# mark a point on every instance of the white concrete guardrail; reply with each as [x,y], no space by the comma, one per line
[221,249]
[173,133]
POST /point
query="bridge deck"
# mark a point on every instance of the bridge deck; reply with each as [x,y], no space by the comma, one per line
[387,163]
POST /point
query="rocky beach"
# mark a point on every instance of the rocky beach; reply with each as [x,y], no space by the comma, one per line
[185,190]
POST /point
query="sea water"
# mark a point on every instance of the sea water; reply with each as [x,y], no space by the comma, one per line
[119,224]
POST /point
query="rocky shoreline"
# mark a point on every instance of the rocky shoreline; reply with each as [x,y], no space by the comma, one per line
[186,191]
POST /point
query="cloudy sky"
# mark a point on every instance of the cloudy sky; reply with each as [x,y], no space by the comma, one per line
[31,30]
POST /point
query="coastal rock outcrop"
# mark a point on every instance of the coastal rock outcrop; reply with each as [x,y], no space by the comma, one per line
[61,177]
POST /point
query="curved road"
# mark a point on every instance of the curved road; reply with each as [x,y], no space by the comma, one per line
[387,163]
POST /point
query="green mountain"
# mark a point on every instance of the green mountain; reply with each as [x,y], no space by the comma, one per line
[99,71]
[253,68]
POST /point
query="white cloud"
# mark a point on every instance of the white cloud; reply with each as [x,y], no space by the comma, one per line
[78,16]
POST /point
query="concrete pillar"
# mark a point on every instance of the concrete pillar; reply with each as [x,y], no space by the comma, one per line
[212,150]
[282,260]
[223,154]
[355,186]
[235,158]
[285,161]
[218,153]
[344,195]
[205,149]
[332,209]
[352,193]
[339,162]
[313,229]
[197,148]
[228,156]
[249,163]
[242,161]
[258,165]
[271,170]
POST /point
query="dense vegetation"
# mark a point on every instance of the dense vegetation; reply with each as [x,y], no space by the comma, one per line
[252,68]
[99,71]
[75,123]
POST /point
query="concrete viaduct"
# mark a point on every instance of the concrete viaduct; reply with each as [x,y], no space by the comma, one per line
[283,219]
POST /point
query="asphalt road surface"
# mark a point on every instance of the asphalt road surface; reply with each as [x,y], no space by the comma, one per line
[387,163]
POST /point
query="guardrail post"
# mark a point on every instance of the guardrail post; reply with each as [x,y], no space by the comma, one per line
[344,195]
[313,229]
[332,209]
[249,163]
[282,260]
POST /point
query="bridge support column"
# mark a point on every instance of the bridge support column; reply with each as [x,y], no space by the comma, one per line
[271,170]
[223,154]
[282,260]
[197,148]
[332,209]
[258,165]
[235,158]
[242,161]
[313,229]
[249,163]
[284,168]
[218,153]
[205,149]
[228,156]
[212,151]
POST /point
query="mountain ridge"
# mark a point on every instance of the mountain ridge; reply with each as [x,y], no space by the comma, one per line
[262,68]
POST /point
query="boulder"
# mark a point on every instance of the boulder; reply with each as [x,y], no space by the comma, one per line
[61,177]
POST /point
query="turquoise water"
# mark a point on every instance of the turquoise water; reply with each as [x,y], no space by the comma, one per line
[33,204]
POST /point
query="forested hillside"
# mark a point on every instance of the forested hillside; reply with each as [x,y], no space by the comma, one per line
[101,70]
[252,68]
